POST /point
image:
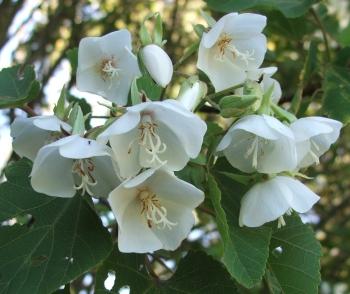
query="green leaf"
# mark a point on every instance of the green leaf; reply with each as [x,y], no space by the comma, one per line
[336,98]
[290,8]
[245,249]
[149,87]
[17,86]
[145,37]
[64,238]
[196,273]
[294,262]
[72,55]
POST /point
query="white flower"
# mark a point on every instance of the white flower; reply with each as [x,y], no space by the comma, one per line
[191,95]
[267,81]
[259,143]
[106,66]
[158,64]
[74,163]
[153,211]
[314,136]
[232,46]
[30,134]
[270,200]
[151,134]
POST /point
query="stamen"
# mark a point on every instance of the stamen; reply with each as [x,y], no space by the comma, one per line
[253,149]
[109,70]
[225,44]
[84,168]
[281,222]
[150,141]
[154,212]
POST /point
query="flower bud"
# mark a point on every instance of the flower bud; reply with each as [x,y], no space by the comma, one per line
[191,94]
[158,64]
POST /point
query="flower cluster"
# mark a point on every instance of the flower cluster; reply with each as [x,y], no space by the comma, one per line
[131,159]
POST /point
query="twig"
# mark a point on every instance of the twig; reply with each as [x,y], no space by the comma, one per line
[323,30]
[28,110]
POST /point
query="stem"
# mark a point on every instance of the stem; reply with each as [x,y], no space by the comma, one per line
[30,111]
[324,33]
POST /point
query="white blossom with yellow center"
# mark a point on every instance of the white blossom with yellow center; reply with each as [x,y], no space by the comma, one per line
[232,46]
[106,66]
[74,164]
[154,211]
[259,143]
[152,134]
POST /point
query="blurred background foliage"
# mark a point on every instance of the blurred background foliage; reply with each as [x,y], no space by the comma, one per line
[41,32]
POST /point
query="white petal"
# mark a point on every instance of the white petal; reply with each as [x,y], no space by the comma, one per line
[115,43]
[51,123]
[266,83]
[235,147]
[175,155]
[105,175]
[307,127]
[256,47]
[88,53]
[52,174]
[27,139]
[173,190]
[189,128]
[279,127]
[158,64]
[258,125]
[79,148]
[222,73]
[278,156]
[142,179]
[303,198]
[172,238]
[126,152]
[122,125]
[263,203]
[191,97]
[211,37]
[245,25]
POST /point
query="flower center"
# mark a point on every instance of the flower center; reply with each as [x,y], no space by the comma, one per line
[155,213]
[225,44]
[84,168]
[109,70]
[150,140]
[255,151]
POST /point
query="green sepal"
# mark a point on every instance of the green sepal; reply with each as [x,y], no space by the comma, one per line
[134,93]
[76,120]
[59,110]
[199,30]
[145,37]
[158,31]
[235,105]
[209,20]
[282,113]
